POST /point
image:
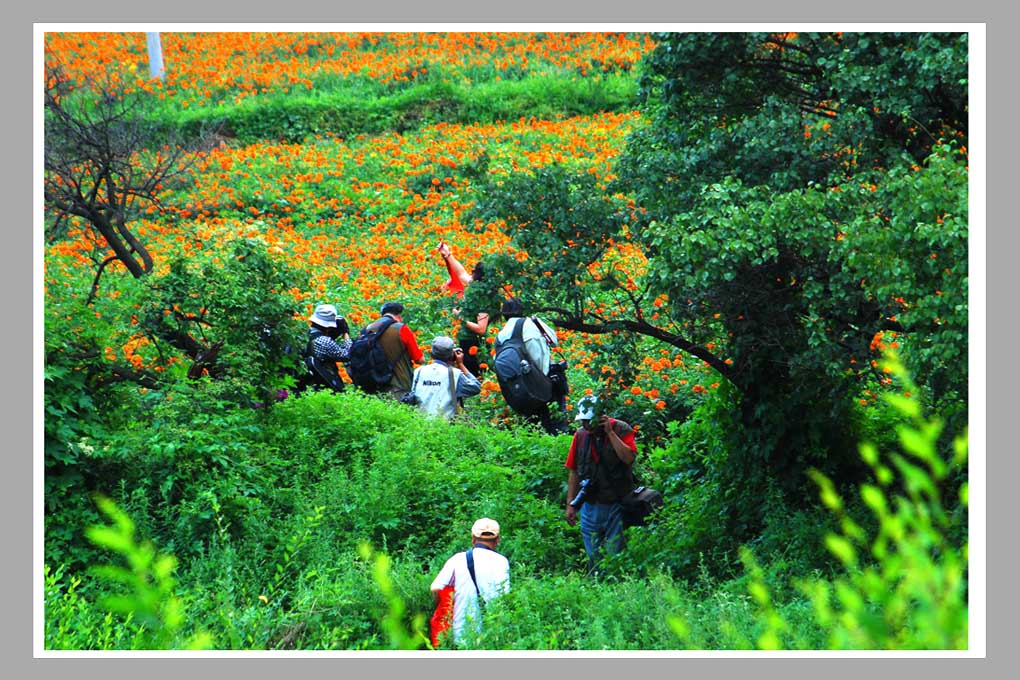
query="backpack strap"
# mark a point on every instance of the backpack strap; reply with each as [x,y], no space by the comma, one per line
[384,324]
[518,332]
[585,465]
[471,570]
[310,345]
[518,335]
[453,390]
[387,322]
[541,329]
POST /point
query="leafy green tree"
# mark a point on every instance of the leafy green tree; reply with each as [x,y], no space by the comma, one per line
[797,199]
[235,316]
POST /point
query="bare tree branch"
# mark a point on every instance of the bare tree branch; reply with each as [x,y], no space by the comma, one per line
[100,164]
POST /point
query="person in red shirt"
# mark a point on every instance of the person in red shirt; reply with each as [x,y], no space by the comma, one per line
[459,275]
[600,462]
[401,347]
[474,320]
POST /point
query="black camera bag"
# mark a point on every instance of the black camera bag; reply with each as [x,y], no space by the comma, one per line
[638,505]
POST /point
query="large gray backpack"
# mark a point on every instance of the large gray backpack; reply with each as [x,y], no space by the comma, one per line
[523,384]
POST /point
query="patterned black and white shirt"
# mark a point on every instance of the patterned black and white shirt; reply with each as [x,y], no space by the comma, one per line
[327,348]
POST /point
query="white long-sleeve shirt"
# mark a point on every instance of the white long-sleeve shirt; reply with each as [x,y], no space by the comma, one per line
[492,571]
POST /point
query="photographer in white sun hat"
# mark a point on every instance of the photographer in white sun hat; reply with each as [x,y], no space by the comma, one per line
[329,342]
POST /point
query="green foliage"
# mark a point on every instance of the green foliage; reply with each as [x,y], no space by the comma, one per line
[358,108]
[72,621]
[909,246]
[906,585]
[573,612]
[562,220]
[752,106]
[903,584]
[239,305]
[148,579]
[393,619]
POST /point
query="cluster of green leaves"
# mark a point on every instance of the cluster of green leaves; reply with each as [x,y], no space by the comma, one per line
[906,584]
[558,216]
[146,585]
[231,317]
[740,105]
[238,304]
[903,577]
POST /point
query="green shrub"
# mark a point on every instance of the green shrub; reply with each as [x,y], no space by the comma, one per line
[72,620]
[144,590]
[573,612]
[903,584]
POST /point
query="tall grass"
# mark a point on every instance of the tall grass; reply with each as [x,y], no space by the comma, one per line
[347,112]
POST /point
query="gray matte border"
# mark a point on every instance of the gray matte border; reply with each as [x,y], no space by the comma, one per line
[18,275]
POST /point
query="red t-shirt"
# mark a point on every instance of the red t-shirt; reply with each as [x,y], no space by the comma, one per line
[627,438]
[410,343]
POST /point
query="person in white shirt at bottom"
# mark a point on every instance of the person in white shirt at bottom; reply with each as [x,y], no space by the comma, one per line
[491,578]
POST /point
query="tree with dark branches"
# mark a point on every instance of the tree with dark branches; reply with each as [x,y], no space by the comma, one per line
[106,159]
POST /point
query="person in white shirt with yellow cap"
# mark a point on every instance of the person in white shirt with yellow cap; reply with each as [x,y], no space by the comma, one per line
[478,575]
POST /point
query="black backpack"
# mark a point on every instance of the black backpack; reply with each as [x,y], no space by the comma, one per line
[525,388]
[319,372]
[369,367]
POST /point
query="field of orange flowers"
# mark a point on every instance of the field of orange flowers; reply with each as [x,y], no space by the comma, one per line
[205,69]
[362,216]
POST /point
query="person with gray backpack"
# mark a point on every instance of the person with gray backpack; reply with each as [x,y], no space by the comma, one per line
[528,379]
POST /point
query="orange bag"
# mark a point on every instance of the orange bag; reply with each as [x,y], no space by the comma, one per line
[442,618]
